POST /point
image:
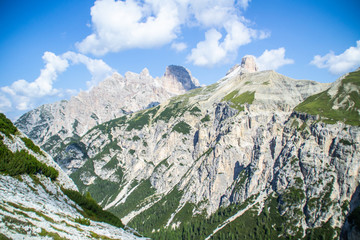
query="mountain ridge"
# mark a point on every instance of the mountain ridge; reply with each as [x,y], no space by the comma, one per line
[112,98]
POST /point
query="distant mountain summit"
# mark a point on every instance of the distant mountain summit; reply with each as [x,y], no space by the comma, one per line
[248,65]
[112,98]
[182,76]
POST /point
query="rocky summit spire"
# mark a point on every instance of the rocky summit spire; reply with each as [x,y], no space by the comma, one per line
[248,64]
[182,75]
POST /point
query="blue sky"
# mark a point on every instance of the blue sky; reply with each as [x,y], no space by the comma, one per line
[50,50]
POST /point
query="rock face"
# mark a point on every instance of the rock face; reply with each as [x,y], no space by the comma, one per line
[35,207]
[248,65]
[229,152]
[179,78]
[112,98]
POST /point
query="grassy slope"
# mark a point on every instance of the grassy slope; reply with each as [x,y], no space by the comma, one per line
[348,94]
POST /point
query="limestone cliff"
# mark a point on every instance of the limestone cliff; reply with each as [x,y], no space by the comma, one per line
[236,145]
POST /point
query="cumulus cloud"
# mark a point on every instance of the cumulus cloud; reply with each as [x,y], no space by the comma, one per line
[119,25]
[273,59]
[128,24]
[24,93]
[219,48]
[179,47]
[338,64]
[213,50]
[43,85]
[5,103]
[244,3]
[202,55]
[98,69]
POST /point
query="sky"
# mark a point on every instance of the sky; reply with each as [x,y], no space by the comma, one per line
[51,50]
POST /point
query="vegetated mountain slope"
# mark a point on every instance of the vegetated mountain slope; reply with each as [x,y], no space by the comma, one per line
[112,98]
[341,102]
[230,160]
[38,200]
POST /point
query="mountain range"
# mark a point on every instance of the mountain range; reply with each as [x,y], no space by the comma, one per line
[112,98]
[257,155]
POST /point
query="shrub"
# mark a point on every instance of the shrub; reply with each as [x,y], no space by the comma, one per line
[83,221]
[206,118]
[6,126]
[182,127]
[29,144]
[21,162]
[91,209]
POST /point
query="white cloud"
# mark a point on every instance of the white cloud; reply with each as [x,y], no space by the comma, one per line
[24,94]
[43,84]
[338,64]
[244,3]
[5,103]
[212,50]
[128,24]
[217,48]
[202,55]
[273,59]
[179,47]
[98,69]
[119,25]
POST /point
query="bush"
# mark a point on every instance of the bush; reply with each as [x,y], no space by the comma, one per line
[29,144]
[21,162]
[6,126]
[92,209]
[83,221]
[206,118]
[182,127]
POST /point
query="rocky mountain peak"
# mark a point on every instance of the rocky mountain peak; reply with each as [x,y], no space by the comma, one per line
[145,72]
[248,65]
[181,75]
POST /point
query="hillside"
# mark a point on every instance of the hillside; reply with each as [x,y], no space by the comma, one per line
[38,200]
[341,102]
[230,160]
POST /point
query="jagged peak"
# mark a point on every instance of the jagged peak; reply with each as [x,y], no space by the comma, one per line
[182,75]
[145,72]
[177,72]
[248,65]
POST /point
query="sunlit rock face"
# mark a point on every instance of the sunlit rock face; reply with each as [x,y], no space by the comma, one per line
[112,98]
